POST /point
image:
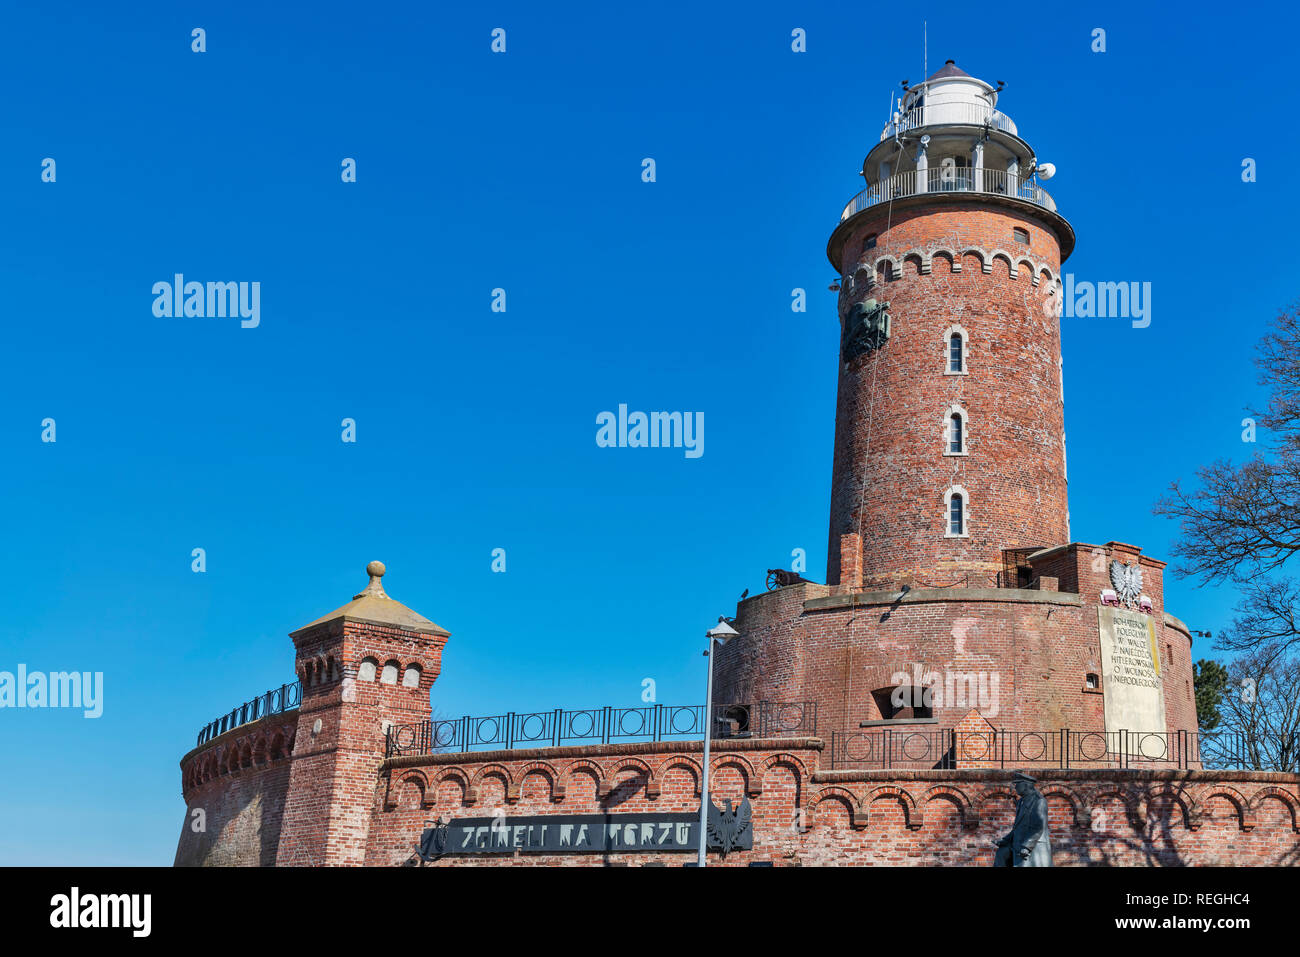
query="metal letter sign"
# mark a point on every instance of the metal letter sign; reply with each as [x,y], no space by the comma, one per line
[576,834]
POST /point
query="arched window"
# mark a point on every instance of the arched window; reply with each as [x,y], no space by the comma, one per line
[954,351]
[367,670]
[954,431]
[411,676]
[956,508]
[389,675]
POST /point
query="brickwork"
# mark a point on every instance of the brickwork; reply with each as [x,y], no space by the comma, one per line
[930,265]
[235,788]
[1031,648]
[345,712]
[919,625]
[804,815]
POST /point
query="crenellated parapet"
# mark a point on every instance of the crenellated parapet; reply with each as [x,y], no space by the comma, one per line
[248,748]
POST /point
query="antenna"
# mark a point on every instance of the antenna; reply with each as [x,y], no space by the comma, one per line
[925,49]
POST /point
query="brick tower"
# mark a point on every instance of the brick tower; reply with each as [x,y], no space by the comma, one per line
[365,666]
[950,561]
[949,438]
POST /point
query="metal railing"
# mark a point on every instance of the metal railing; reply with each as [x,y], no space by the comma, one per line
[914,748]
[940,114]
[950,179]
[284,698]
[553,728]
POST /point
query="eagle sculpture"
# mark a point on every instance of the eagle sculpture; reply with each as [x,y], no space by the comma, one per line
[730,830]
[1127,580]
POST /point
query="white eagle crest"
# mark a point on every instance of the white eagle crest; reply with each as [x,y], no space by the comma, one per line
[1127,580]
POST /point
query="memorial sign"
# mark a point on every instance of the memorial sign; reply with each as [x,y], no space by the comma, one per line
[1130,668]
[573,834]
[577,834]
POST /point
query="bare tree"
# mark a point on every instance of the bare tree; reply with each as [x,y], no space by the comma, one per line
[1260,727]
[1242,523]
[1243,519]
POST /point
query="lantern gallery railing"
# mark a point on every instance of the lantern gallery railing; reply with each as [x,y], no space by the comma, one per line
[918,748]
[284,698]
[657,722]
[944,114]
[948,179]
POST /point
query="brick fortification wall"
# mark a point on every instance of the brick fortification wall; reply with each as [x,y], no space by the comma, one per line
[238,782]
[812,642]
[804,815]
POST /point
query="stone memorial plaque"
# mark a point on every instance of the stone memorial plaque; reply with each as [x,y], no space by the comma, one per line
[1130,671]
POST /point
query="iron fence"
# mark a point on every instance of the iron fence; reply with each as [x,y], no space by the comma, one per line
[953,179]
[914,748]
[657,722]
[284,698]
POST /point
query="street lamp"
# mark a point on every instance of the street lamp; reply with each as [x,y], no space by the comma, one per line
[721,633]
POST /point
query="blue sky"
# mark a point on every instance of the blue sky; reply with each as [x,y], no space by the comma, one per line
[476,429]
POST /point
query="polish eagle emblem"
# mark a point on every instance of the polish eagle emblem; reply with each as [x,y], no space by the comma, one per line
[731,830]
[1127,580]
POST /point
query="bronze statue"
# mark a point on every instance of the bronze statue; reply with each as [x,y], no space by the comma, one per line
[866,327]
[1028,843]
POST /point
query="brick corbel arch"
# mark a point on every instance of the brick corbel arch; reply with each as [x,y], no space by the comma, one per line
[680,761]
[986,264]
[547,771]
[784,757]
[753,785]
[922,263]
[1003,791]
[1082,817]
[970,816]
[914,814]
[1288,799]
[1186,803]
[584,764]
[893,267]
[619,765]
[414,776]
[954,261]
[452,773]
[857,809]
[1132,807]
[1245,813]
[512,789]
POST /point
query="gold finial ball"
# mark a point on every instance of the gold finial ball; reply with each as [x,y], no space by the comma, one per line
[376,569]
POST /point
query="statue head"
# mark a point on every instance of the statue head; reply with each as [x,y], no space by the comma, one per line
[1023,783]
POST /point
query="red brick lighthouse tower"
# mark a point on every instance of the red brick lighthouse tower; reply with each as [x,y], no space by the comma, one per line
[954,597]
[949,442]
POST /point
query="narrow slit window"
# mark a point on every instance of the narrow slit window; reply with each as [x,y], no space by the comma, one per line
[956,434]
[956,514]
[956,353]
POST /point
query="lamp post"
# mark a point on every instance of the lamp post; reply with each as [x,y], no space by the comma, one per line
[721,633]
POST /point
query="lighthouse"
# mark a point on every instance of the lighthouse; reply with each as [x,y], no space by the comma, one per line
[955,599]
[949,443]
